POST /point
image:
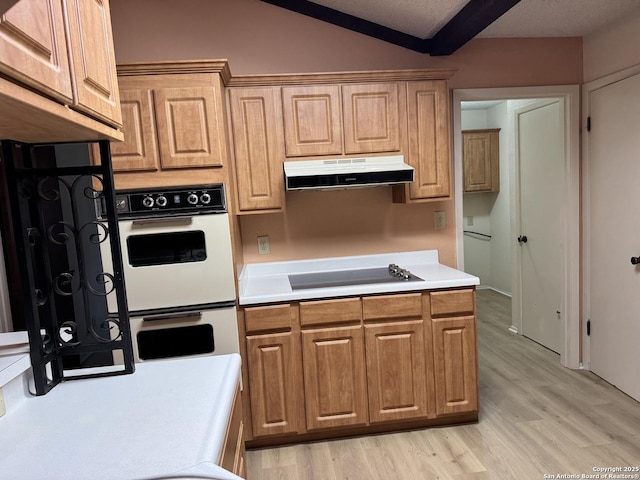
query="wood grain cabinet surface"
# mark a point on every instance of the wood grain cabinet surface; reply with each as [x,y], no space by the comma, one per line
[258,139]
[62,52]
[360,364]
[481,160]
[232,457]
[174,123]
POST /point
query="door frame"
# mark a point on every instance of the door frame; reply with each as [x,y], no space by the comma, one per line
[587,89]
[570,354]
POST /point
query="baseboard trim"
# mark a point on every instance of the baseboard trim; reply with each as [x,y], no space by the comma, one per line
[489,287]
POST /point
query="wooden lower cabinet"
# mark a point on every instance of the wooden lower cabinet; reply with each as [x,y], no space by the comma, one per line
[334,367]
[334,377]
[455,365]
[232,457]
[273,387]
[396,374]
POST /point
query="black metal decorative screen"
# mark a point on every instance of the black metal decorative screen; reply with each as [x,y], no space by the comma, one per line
[53,192]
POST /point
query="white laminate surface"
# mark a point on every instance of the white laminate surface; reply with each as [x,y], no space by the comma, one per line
[269,282]
[166,420]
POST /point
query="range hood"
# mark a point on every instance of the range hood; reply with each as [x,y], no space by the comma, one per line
[340,173]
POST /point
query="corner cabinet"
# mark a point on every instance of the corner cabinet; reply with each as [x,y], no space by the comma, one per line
[174,124]
[481,160]
[313,116]
[58,76]
[333,367]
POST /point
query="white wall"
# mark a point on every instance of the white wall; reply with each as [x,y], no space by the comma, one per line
[489,260]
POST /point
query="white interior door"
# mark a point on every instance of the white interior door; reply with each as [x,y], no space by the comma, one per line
[541,173]
[614,233]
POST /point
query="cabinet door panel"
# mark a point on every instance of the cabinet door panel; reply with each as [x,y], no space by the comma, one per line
[187,120]
[334,377]
[273,387]
[455,365]
[396,371]
[256,124]
[480,157]
[139,150]
[429,149]
[91,42]
[312,123]
[371,120]
[33,49]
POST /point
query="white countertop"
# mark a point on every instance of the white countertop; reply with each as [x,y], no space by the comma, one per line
[166,420]
[269,282]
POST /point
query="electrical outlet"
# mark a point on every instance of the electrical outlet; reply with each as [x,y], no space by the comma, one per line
[263,245]
[439,220]
[470,220]
[3,407]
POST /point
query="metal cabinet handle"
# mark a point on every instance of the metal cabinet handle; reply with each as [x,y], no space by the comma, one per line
[635,260]
[522,239]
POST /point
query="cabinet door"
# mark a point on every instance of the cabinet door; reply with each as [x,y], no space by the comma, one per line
[273,385]
[33,47]
[371,118]
[139,151]
[480,157]
[454,352]
[312,120]
[94,65]
[429,145]
[189,126]
[334,377]
[396,374]
[256,126]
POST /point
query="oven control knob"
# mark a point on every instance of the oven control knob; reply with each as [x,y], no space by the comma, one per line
[161,201]
[192,199]
[205,198]
[148,202]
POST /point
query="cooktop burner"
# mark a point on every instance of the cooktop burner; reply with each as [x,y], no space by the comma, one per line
[343,278]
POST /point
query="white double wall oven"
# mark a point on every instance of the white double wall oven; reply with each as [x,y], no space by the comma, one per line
[178,271]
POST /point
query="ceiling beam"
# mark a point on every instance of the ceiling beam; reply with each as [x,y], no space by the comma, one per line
[474,17]
[344,20]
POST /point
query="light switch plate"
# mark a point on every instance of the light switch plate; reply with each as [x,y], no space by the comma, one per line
[3,407]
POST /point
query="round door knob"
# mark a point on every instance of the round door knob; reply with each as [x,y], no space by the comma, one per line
[635,260]
[522,239]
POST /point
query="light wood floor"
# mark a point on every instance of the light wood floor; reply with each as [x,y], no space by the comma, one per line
[536,418]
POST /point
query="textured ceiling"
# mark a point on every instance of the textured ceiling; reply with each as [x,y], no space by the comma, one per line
[528,18]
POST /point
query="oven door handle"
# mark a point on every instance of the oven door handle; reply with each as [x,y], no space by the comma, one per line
[173,316]
[163,221]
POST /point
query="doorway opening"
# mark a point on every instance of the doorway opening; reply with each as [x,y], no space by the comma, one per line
[490,224]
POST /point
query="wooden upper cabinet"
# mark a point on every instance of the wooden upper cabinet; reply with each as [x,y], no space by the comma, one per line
[429,150]
[256,126]
[33,48]
[187,137]
[139,150]
[481,160]
[371,118]
[93,58]
[312,120]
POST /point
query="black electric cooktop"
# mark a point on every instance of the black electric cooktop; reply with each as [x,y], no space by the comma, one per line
[343,278]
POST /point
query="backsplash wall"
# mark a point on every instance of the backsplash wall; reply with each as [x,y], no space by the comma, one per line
[348,222]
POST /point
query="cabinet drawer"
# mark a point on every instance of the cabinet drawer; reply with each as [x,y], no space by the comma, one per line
[392,306]
[452,302]
[271,317]
[330,311]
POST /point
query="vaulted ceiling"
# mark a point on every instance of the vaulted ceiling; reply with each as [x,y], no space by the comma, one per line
[440,27]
